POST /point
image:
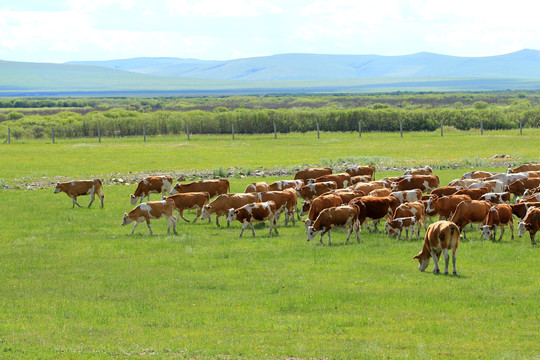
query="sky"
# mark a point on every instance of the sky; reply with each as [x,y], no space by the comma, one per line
[67,30]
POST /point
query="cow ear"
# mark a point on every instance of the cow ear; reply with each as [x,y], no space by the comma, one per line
[416,256]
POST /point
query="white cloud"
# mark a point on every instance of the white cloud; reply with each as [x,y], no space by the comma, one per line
[222,8]
[94,5]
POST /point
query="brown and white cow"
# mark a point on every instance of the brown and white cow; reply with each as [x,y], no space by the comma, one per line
[342,216]
[530,223]
[422,182]
[188,201]
[496,198]
[151,185]
[523,168]
[314,207]
[415,209]
[213,187]
[376,207]
[477,174]
[407,195]
[342,179]
[496,186]
[474,194]
[254,213]
[425,170]
[256,187]
[151,210]
[441,236]
[76,188]
[498,216]
[346,195]
[395,226]
[530,198]
[281,185]
[221,205]
[366,188]
[463,183]
[285,202]
[470,211]
[444,206]
[518,187]
[380,192]
[444,191]
[311,191]
[508,178]
[361,170]
[360,179]
[520,209]
[311,173]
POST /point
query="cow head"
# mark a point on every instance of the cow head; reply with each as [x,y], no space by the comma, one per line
[176,189]
[57,189]
[232,215]
[424,262]
[205,212]
[305,208]
[126,220]
[311,233]
[134,199]
[522,228]
[390,231]
[487,230]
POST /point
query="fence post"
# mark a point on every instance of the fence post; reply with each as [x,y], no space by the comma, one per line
[9,135]
[144,131]
[187,131]
[275,131]
[520,127]
[401,128]
[99,133]
[232,126]
[481,128]
[441,129]
[359,129]
[53,134]
[318,136]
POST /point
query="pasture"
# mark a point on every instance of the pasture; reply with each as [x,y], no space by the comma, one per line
[75,284]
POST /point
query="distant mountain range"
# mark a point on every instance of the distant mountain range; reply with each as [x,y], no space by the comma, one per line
[270,74]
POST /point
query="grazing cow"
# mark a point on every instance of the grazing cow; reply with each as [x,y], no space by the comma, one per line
[530,223]
[496,198]
[342,180]
[425,170]
[254,212]
[213,187]
[311,191]
[317,205]
[221,205]
[477,174]
[444,206]
[151,185]
[360,179]
[281,185]
[342,216]
[529,192]
[256,187]
[380,192]
[76,188]
[520,209]
[376,207]
[415,209]
[151,210]
[422,182]
[396,226]
[311,173]
[187,201]
[440,237]
[518,187]
[361,170]
[470,211]
[444,191]
[523,168]
[285,202]
[407,195]
[498,215]
[474,194]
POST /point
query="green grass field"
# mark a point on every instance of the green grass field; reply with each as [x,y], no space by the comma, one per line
[75,284]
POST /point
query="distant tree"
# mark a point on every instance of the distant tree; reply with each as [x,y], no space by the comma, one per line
[480,105]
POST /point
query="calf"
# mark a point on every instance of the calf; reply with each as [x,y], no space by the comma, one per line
[281,185]
[76,188]
[187,201]
[497,198]
[151,185]
[151,210]
[342,216]
[407,195]
[530,223]
[254,212]
[317,205]
[415,209]
[311,173]
[470,211]
[213,187]
[361,170]
[422,182]
[498,215]
[311,191]
[397,225]
[256,187]
[221,205]
[474,194]
[441,236]
[444,206]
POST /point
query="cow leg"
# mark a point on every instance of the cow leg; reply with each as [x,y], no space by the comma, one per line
[502,232]
[75,202]
[244,225]
[181,214]
[217,219]
[532,239]
[297,213]
[149,227]
[356,230]
[148,196]
[454,260]
[132,231]
[252,229]
[101,197]
[412,231]
[398,235]
[436,261]
[446,260]
[512,229]
[198,215]
[494,234]
[172,221]
[349,234]
[92,196]
[329,240]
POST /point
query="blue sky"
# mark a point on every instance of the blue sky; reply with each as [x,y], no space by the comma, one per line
[64,30]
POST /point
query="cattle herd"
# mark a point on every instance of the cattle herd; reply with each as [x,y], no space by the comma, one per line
[350,200]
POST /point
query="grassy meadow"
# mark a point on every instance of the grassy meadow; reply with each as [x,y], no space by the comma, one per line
[75,284]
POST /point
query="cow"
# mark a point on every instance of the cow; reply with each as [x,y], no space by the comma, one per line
[520,209]
[151,210]
[474,194]
[470,211]
[76,188]
[528,192]
[441,236]
[444,191]
[477,174]
[361,170]
[463,183]
[415,209]
[360,179]
[281,185]
[317,205]
[376,207]
[444,206]
[256,187]
[151,185]
[422,182]
[311,173]
[342,216]
[342,179]
[498,215]
[508,178]
[524,168]
[380,192]
[530,223]
[366,188]
[345,195]
[425,170]
[311,191]
[295,196]
[518,187]
[221,205]
[285,201]
[213,187]
[492,185]
[394,227]
[252,213]
[187,201]
[530,198]
[496,198]
[407,195]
